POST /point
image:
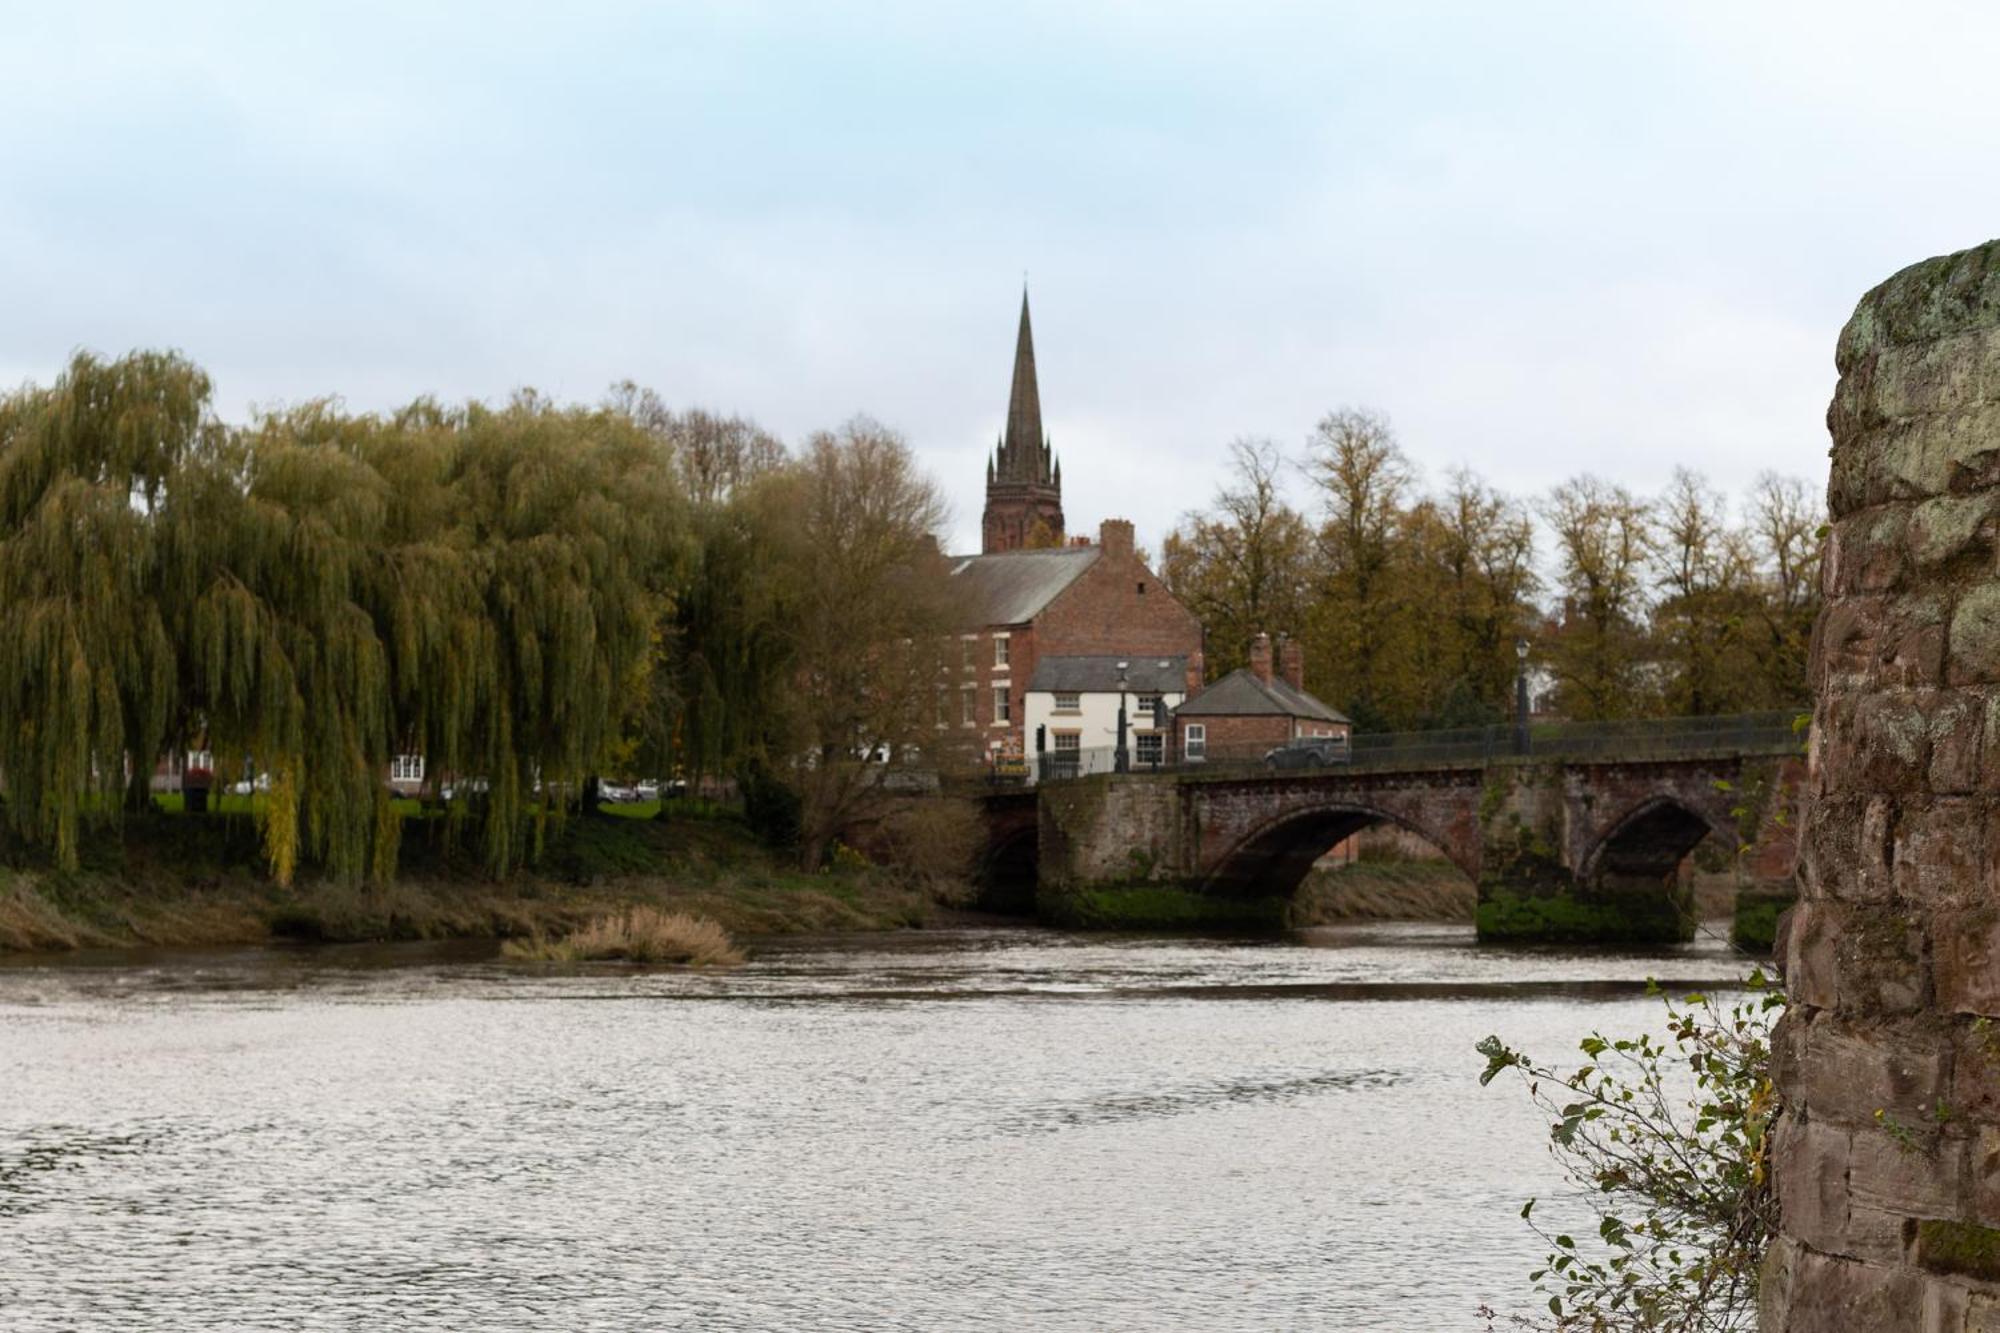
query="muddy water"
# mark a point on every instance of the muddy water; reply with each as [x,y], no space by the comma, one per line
[952,1130]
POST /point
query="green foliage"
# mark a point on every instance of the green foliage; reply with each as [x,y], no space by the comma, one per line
[1561,916]
[1161,907]
[1667,1144]
[770,807]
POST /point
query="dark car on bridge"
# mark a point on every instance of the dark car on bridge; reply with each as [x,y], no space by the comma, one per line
[1309,752]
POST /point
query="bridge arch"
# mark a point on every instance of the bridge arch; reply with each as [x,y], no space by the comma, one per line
[1273,858]
[1650,840]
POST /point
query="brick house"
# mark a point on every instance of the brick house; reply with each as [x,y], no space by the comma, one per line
[1030,595]
[1072,709]
[1254,708]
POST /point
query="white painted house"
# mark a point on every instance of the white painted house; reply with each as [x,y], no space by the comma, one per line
[1071,710]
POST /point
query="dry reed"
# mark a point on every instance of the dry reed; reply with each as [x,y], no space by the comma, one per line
[638,935]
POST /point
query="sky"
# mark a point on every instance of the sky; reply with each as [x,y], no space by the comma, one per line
[1543,239]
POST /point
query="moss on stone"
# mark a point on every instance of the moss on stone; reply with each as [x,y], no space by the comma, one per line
[1562,917]
[1755,926]
[1160,907]
[1965,1248]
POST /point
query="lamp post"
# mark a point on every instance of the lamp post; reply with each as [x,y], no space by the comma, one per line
[1521,697]
[1119,759]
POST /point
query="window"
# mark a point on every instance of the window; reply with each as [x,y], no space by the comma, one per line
[968,711]
[1068,756]
[1142,587]
[406,768]
[999,650]
[943,707]
[1003,710]
[1194,742]
[965,653]
[1151,751]
[1145,706]
[1067,701]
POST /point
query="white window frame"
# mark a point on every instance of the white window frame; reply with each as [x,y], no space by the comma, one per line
[1194,742]
[968,706]
[1003,705]
[406,768]
[1074,704]
[1000,651]
[1149,740]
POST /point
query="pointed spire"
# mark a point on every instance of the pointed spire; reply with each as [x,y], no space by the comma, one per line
[1020,455]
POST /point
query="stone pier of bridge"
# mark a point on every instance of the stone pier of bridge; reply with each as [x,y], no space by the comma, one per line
[1559,850]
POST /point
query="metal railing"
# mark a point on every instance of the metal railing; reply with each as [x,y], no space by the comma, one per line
[1775,733]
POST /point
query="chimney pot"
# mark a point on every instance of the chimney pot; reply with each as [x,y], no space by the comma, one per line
[1260,657]
[1115,536]
[1292,663]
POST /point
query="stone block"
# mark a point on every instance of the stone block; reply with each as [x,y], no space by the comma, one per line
[1982,1175]
[1945,1305]
[1812,972]
[1957,736]
[1917,1175]
[1809,1165]
[1965,958]
[1974,657]
[1851,1070]
[1940,850]
[1833,1295]
[1947,528]
[1882,965]
[1982,1312]
[1867,551]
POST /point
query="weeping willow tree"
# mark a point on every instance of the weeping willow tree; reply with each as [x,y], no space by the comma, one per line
[88,667]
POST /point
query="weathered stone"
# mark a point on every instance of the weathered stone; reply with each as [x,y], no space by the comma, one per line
[1852,1069]
[1810,1167]
[1830,1295]
[1982,1170]
[1907,1171]
[1945,1245]
[1947,527]
[1965,950]
[1867,552]
[1957,736]
[1940,850]
[1944,1307]
[1974,642]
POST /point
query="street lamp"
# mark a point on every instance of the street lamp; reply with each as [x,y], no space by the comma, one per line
[1521,697]
[1119,759]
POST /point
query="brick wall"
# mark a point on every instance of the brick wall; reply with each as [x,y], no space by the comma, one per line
[1887,1158]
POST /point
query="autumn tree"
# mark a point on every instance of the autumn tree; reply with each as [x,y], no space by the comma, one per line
[1245,564]
[1362,478]
[1785,533]
[1603,538]
[864,613]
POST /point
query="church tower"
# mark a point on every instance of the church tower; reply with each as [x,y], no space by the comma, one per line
[1023,480]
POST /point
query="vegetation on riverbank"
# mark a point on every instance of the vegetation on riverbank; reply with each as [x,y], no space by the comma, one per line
[175,880]
[636,935]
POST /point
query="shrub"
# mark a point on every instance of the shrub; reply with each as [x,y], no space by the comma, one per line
[1668,1143]
[931,843]
[638,935]
[770,807]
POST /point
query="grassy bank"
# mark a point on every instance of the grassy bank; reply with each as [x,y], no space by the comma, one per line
[1387,890]
[179,880]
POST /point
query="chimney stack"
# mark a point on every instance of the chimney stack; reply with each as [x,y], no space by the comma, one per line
[1195,666]
[1292,663]
[1260,657]
[1115,536]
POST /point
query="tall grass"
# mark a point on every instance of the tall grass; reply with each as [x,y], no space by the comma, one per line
[638,935]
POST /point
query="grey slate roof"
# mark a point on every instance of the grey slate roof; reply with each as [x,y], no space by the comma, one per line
[1012,587]
[1241,694]
[1099,675]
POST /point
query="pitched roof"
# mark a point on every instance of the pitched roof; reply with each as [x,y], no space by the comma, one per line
[1020,456]
[1099,675]
[1241,694]
[1012,587]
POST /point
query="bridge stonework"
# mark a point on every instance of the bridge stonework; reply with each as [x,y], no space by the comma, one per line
[1886,1159]
[1586,851]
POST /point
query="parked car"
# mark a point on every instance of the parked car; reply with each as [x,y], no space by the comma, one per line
[1309,752]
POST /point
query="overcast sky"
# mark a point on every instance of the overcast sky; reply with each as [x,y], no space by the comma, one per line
[1542,238]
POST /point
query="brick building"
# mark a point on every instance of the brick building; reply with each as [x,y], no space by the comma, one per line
[1029,596]
[1254,708]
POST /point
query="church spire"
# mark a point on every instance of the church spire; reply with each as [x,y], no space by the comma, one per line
[1021,457]
[1023,483]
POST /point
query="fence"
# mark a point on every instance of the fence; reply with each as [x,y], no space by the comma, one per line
[1781,732]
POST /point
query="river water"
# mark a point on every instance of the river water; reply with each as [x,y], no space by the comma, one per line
[989,1129]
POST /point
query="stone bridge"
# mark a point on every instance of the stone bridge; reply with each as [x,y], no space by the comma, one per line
[1583,849]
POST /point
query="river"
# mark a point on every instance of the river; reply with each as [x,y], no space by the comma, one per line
[979,1129]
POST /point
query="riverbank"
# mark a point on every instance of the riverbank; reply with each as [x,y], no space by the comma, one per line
[1392,889]
[195,881]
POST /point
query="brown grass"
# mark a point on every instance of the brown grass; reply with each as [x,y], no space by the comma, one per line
[637,935]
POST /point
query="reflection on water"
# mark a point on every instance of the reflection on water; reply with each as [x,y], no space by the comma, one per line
[1092,1133]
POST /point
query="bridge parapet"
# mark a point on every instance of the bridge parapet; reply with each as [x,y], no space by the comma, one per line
[1579,849]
